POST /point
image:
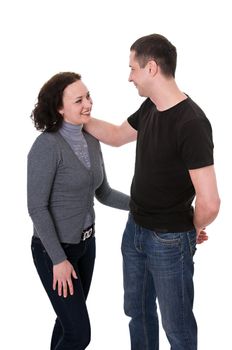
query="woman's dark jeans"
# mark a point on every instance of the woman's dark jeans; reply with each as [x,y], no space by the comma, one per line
[72,326]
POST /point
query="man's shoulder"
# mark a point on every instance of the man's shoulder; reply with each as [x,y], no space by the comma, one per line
[193,110]
[190,113]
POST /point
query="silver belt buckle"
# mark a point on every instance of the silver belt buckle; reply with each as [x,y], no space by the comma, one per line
[87,234]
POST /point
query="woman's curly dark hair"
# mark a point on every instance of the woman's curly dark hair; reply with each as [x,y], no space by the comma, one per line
[45,115]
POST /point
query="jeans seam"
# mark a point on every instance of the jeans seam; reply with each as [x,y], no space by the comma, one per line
[192,251]
[183,296]
[189,244]
[137,239]
[143,306]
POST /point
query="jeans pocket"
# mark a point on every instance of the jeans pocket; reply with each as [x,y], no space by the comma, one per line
[66,245]
[169,238]
[40,256]
[48,262]
[33,255]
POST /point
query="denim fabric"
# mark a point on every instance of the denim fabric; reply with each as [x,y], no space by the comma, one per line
[72,326]
[159,266]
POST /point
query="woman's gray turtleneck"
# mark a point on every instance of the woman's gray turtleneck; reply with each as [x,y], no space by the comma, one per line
[73,135]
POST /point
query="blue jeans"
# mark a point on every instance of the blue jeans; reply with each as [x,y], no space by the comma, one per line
[72,327]
[159,266]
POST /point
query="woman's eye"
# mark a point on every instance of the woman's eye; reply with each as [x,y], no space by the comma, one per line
[78,101]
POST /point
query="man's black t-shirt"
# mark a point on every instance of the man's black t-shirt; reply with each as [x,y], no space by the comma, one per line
[169,144]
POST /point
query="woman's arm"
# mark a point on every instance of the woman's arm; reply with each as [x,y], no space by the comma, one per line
[110,197]
[42,165]
[41,170]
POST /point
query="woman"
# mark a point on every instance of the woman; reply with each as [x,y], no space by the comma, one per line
[65,172]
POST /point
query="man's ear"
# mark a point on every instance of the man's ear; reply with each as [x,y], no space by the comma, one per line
[152,67]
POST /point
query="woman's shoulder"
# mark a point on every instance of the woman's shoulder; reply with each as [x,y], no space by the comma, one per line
[47,137]
[45,141]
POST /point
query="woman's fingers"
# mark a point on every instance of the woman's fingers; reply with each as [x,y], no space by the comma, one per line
[60,285]
[54,282]
[62,278]
[70,286]
[74,274]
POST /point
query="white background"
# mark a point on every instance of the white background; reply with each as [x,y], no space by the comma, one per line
[41,38]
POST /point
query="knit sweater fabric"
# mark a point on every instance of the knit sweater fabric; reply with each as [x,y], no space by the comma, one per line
[61,190]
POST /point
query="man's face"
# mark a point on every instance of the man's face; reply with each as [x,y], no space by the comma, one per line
[139,76]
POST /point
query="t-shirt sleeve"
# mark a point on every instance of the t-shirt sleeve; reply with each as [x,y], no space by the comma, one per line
[134,118]
[196,143]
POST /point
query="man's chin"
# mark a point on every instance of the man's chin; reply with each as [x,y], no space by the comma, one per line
[141,93]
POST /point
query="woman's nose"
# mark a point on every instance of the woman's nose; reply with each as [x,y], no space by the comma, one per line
[87,102]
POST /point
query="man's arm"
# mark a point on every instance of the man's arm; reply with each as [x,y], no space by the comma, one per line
[207,198]
[113,135]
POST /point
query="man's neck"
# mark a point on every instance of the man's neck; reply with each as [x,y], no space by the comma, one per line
[166,95]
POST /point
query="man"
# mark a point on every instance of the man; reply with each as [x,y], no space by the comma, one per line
[174,163]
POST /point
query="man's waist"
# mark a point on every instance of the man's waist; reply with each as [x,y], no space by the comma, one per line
[163,220]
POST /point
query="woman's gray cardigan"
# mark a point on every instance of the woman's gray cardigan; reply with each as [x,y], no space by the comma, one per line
[61,191]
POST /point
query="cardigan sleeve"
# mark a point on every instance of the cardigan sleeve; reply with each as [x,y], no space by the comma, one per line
[111,197]
[41,171]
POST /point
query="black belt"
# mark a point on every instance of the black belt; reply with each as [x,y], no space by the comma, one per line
[87,233]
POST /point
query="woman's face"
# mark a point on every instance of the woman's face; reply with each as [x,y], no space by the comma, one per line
[77,104]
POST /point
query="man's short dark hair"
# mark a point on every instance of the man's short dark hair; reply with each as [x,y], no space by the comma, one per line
[158,48]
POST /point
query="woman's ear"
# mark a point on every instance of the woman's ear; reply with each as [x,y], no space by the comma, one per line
[61,111]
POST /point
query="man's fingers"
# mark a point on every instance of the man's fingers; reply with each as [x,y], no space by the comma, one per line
[202,237]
